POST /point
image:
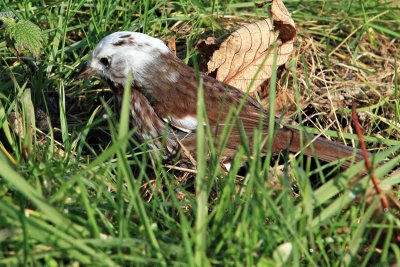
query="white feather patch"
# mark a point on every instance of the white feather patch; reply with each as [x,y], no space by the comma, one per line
[173,76]
[142,38]
[134,58]
[227,166]
[185,124]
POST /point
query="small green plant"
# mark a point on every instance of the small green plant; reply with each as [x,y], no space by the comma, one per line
[21,35]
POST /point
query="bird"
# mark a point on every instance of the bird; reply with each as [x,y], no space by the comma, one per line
[164,95]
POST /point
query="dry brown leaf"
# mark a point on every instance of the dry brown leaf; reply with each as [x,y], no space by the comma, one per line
[247,54]
[172,44]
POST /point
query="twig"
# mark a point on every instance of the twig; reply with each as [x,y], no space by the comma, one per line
[357,126]
[180,169]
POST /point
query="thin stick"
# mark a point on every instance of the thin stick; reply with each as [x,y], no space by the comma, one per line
[357,126]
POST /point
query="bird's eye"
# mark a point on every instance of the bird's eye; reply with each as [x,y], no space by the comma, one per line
[105,61]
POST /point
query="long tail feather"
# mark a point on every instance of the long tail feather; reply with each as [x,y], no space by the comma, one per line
[319,147]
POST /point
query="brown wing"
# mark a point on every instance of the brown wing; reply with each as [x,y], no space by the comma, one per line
[174,100]
[172,91]
[174,97]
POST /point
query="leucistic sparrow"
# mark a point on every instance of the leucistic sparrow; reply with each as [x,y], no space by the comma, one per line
[164,95]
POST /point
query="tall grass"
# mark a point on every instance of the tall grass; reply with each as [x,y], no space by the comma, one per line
[89,194]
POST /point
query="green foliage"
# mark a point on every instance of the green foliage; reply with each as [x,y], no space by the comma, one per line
[90,195]
[22,35]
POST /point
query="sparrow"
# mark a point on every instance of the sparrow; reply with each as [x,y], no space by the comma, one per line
[164,96]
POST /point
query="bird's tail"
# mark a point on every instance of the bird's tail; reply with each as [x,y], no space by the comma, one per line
[317,147]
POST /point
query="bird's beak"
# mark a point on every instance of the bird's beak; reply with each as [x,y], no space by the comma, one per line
[83,72]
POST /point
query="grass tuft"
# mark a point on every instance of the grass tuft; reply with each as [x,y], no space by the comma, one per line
[77,188]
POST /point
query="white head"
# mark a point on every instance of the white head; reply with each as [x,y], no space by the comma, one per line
[121,53]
